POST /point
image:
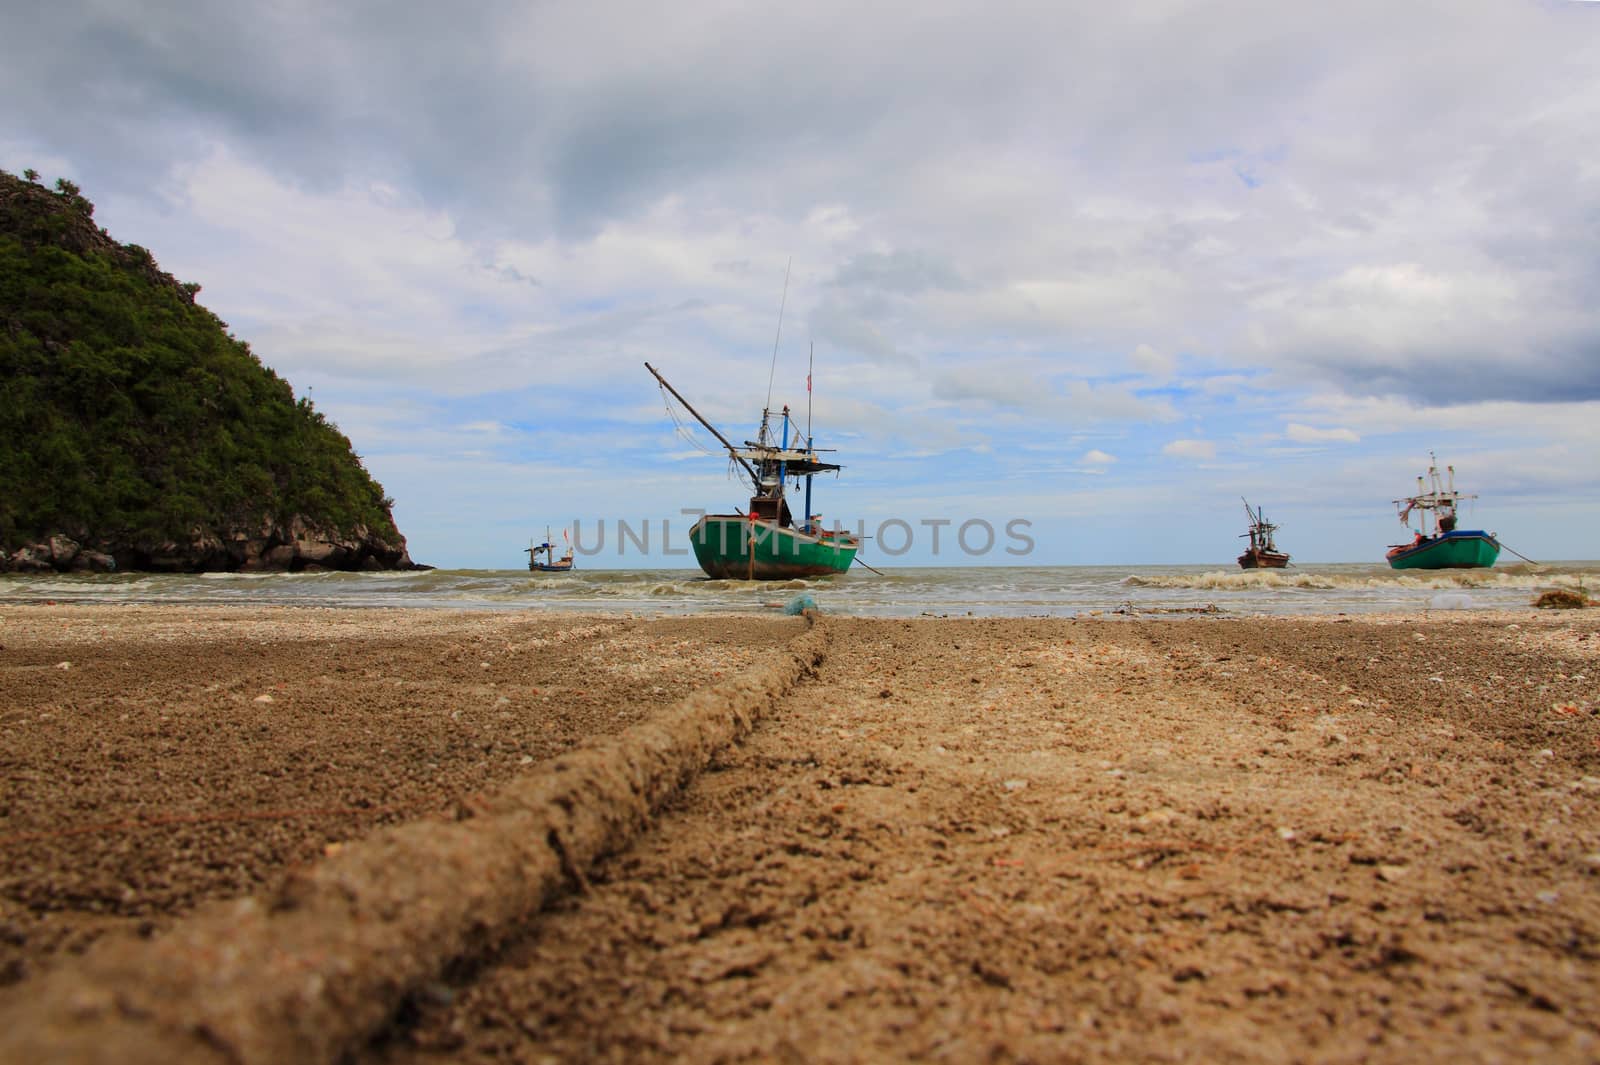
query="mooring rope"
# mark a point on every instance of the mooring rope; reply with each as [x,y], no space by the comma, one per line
[1520,555]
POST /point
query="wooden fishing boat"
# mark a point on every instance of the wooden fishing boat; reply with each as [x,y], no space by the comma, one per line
[765,543]
[1438,544]
[551,563]
[1262,552]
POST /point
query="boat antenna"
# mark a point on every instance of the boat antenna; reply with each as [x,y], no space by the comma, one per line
[810,363]
[782,304]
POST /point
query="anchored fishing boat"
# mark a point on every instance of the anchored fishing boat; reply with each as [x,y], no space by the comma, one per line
[766,543]
[1262,552]
[551,563]
[1438,544]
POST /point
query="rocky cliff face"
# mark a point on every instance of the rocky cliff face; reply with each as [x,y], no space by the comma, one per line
[297,546]
[137,433]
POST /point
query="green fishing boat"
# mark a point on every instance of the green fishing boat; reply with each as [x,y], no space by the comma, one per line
[766,543]
[1438,544]
[722,546]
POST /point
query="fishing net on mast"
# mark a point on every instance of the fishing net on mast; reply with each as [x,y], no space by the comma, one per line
[686,432]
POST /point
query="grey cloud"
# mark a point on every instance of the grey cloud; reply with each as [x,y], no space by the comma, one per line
[851,329]
[1440,376]
[1028,387]
[981,152]
[511,273]
[1007,384]
[870,304]
[899,273]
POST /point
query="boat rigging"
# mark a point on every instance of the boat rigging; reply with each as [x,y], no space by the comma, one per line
[767,543]
[1438,544]
[1262,552]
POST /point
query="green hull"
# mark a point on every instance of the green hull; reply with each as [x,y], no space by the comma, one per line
[1453,550]
[722,544]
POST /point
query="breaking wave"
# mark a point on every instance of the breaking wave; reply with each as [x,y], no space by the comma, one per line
[1511,578]
[898,591]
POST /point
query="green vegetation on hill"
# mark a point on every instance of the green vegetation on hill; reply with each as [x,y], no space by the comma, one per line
[129,414]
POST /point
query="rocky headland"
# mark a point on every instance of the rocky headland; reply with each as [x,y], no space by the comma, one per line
[295,547]
[140,434]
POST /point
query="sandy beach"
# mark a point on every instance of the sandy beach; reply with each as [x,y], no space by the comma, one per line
[1170,839]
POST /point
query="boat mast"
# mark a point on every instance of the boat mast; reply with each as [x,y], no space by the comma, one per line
[811,363]
[783,445]
[1439,491]
[749,469]
[1447,510]
[1437,499]
[1442,501]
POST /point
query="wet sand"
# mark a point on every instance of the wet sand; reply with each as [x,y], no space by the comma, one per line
[1372,838]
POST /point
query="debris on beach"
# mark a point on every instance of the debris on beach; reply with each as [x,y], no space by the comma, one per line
[1128,608]
[1561,599]
[803,604]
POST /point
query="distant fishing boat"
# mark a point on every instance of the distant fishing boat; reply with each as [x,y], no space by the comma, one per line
[1438,544]
[1262,552]
[766,543]
[551,563]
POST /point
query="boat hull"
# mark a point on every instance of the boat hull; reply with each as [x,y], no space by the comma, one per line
[1256,559]
[723,546]
[551,567]
[1459,549]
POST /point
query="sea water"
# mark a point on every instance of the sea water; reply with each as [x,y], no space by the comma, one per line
[995,591]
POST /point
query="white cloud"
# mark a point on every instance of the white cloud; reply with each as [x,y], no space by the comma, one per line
[1152,363]
[1095,457]
[1029,385]
[1191,449]
[1307,434]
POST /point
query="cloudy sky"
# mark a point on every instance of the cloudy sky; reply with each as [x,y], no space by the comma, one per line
[1101,267]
